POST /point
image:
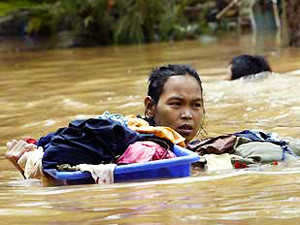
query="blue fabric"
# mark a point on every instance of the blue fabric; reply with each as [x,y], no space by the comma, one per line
[45,140]
[91,141]
[266,137]
[114,118]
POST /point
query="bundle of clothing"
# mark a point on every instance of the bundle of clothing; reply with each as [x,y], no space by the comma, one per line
[99,144]
[244,149]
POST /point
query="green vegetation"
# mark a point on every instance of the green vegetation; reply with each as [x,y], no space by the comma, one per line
[105,22]
[8,6]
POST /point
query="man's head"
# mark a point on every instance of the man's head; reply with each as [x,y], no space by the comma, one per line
[245,65]
[175,99]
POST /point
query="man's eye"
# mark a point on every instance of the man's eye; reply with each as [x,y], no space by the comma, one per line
[197,105]
[175,103]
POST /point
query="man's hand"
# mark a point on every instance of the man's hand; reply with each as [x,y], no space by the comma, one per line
[16,149]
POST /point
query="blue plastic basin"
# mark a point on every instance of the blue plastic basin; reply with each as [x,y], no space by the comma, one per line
[179,166]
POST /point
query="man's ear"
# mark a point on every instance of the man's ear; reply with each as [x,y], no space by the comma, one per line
[149,107]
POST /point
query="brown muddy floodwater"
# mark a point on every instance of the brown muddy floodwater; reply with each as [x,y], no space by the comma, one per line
[44,90]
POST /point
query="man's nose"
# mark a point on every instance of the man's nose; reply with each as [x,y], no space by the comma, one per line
[187,114]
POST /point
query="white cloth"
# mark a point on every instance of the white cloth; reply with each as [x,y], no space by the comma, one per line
[218,162]
[102,173]
[31,163]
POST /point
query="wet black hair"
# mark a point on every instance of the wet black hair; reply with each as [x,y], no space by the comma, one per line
[245,65]
[160,75]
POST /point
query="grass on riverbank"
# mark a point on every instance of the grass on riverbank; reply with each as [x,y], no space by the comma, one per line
[6,7]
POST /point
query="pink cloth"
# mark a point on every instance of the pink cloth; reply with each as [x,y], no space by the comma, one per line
[144,151]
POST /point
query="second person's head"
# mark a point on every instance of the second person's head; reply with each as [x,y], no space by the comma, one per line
[175,99]
[246,65]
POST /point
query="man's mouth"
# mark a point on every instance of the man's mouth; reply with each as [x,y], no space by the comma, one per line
[185,129]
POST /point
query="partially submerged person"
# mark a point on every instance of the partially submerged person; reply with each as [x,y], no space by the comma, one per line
[174,104]
[249,146]
[247,66]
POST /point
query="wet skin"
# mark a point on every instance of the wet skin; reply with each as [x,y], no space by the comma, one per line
[229,72]
[180,106]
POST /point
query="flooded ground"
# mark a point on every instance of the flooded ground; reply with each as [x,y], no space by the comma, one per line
[44,90]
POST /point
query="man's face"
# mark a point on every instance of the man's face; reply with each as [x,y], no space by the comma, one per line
[180,106]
